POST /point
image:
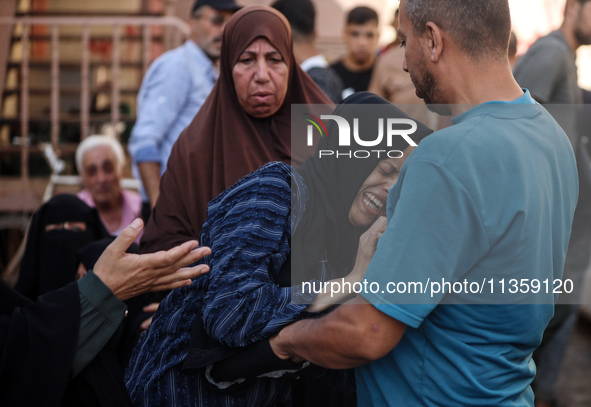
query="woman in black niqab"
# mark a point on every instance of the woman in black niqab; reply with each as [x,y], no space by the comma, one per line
[64,233]
[59,228]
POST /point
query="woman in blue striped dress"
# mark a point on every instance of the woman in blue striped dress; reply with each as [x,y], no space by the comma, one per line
[247,296]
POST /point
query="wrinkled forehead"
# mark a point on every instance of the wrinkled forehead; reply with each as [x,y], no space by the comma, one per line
[251,23]
[260,44]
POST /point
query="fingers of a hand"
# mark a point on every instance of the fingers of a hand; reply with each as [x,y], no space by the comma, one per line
[170,257]
[194,256]
[170,286]
[377,229]
[153,307]
[185,273]
[177,257]
[126,237]
[380,224]
[190,258]
[276,348]
[146,324]
[178,278]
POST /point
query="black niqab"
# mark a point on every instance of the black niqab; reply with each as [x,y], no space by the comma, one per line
[50,261]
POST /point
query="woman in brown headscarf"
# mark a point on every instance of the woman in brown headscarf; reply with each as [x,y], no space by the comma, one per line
[243,124]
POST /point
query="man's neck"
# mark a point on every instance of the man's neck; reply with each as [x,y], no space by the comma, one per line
[112,205]
[570,37]
[214,60]
[355,66]
[110,213]
[468,89]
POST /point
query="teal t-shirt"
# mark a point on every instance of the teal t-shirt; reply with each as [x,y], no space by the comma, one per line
[490,197]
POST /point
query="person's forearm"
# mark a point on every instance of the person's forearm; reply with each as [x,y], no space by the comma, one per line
[354,334]
[150,174]
[328,298]
[101,314]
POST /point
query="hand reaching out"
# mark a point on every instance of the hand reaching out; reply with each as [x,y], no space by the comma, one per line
[128,275]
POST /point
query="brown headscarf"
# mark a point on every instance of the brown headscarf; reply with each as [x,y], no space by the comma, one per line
[223,143]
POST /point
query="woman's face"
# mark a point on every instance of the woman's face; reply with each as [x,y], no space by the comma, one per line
[370,201]
[260,79]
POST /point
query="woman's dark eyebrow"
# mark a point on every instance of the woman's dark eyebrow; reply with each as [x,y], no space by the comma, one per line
[388,163]
[254,52]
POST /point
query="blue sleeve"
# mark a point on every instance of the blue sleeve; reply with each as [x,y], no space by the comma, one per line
[250,244]
[434,232]
[163,94]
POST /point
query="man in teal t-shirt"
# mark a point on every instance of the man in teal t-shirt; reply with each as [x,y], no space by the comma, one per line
[490,197]
[486,203]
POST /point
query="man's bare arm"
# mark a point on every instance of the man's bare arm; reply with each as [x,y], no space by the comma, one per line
[354,334]
[150,174]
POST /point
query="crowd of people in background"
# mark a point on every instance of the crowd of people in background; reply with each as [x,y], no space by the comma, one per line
[213,150]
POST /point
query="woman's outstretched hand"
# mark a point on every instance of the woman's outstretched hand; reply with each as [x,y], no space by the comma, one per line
[128,274]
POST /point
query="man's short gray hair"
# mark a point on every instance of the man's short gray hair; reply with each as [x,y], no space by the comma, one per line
[481,28]
[92,142]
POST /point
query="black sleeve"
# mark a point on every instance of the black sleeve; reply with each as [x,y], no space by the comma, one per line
[251,362]
[37,343]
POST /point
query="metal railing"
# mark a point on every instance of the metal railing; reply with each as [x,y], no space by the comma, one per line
[175,28]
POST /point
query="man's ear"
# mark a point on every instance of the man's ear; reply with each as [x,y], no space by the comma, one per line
[572,10]
[434,41]
[192,21]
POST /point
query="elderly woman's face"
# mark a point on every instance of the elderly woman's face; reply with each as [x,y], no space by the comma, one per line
[370,201]
[101,176]
[260,79]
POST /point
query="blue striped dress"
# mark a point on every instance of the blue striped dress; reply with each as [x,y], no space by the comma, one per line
[248,229]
